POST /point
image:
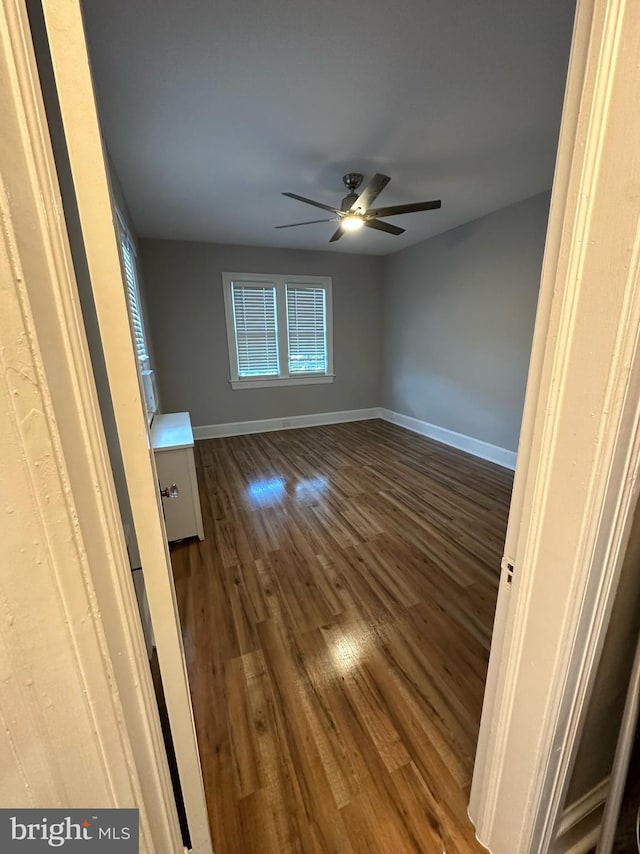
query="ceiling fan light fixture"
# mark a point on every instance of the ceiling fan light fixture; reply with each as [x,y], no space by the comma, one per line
[352,222]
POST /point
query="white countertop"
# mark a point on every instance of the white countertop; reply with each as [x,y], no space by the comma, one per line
[172,431]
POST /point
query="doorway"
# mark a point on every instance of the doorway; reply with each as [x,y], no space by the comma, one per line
[536,778]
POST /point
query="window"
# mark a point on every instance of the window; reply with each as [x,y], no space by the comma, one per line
[306,329]
[254,320]
[278,329]
[128,252]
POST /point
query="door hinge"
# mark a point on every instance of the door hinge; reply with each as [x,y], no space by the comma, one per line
[509,567]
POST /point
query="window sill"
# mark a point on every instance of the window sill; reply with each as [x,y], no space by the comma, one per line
[282,381]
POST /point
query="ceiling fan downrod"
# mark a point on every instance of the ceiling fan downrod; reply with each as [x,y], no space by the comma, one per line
[352,181]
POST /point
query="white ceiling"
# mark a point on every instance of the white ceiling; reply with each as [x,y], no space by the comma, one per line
[212,109]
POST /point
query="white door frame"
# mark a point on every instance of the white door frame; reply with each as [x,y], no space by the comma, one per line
[576,481]
[65,31]
[80,725]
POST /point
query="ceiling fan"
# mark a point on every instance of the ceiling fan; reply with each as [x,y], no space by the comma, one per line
[355,210]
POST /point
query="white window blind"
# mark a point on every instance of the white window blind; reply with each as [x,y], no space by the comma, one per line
[256,330]
[307,329]
[128,258]
[128,253]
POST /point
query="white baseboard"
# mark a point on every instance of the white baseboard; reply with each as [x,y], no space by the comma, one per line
[477,447]
[448,437]
[265,425]
[580,823]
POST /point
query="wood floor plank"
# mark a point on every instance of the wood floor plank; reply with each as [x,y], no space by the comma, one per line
[273,818]
[336,621]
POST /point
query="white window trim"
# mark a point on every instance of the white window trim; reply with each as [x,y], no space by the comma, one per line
[279,282]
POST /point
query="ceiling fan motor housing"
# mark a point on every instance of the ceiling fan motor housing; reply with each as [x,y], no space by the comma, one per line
[348,201]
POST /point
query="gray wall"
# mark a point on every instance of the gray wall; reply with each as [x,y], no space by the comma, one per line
[459,312]
[185,308]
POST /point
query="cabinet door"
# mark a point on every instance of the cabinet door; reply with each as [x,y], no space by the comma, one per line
[181,514]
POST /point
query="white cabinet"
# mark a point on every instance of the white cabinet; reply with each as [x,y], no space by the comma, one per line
[172,439]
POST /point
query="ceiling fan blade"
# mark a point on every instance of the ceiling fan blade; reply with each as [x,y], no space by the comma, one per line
[311,202]
[383,226]
[371,192]
[309,222]
[337,234]
[394,210]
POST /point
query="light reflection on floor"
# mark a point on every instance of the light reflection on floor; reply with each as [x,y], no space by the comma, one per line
[311,488]
[346,653]
[263,493]
[268,491]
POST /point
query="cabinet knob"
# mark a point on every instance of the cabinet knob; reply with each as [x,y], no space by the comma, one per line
[170,491]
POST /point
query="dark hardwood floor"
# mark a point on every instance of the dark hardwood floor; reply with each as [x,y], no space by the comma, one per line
[337,622]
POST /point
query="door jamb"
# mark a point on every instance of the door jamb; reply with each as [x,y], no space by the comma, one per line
[579,475]
[87,161]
